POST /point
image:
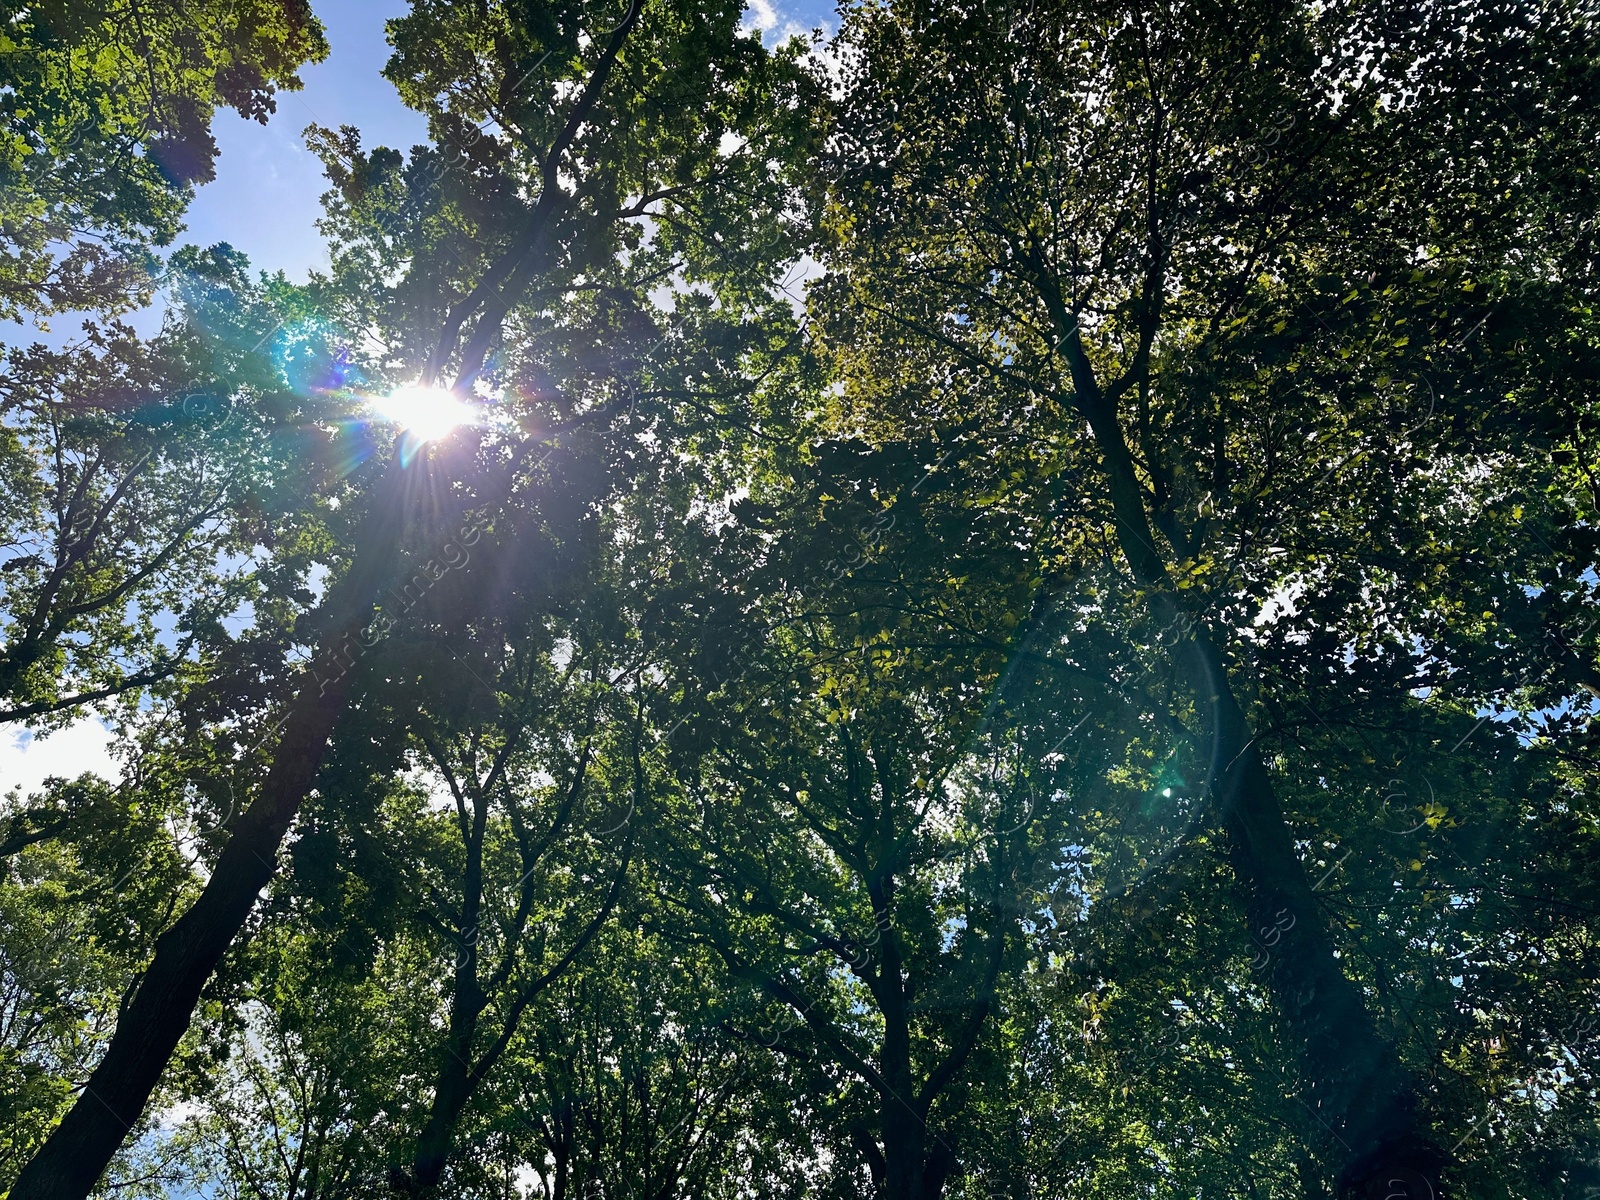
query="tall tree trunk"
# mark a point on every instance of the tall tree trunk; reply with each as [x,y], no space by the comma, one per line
[902,1126]
[1358,1090]
[909,1171]
[916,1162]
[452,1089]
[78,1150]
[453,1084]
[1356,1087]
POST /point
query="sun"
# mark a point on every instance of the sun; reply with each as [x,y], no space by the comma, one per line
[425,413]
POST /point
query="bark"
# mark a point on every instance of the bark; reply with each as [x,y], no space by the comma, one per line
[453,1085]
[19,836]
[452,1090]
[78,1150]
[902,1122]
[916,1161]
[1356,1087]
[459,1073]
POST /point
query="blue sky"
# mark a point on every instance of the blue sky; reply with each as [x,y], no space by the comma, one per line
[264,198]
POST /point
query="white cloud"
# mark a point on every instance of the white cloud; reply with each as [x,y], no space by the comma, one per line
[774,26]
[760,14]
[26,760]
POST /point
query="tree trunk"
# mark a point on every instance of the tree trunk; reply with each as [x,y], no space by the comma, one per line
[1358,1090]
[909,1171]
[902,1150]
[78,1150]
[912,1168]
[453,1085]
[452,1089]
[1356,1087]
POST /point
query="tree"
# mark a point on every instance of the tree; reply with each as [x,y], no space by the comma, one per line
[532,866]
[1098,699]
[173,522]
[1138,220]
[108,113]
[143,476]
[627,1086]
[580,106]
[78,911]
[860,820]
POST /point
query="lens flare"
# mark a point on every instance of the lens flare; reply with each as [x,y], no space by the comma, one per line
[424,413]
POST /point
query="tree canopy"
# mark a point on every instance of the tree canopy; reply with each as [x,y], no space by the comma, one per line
[997,602]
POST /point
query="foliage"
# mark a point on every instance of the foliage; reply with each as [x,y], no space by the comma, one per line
[107,109]
[1094,698]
